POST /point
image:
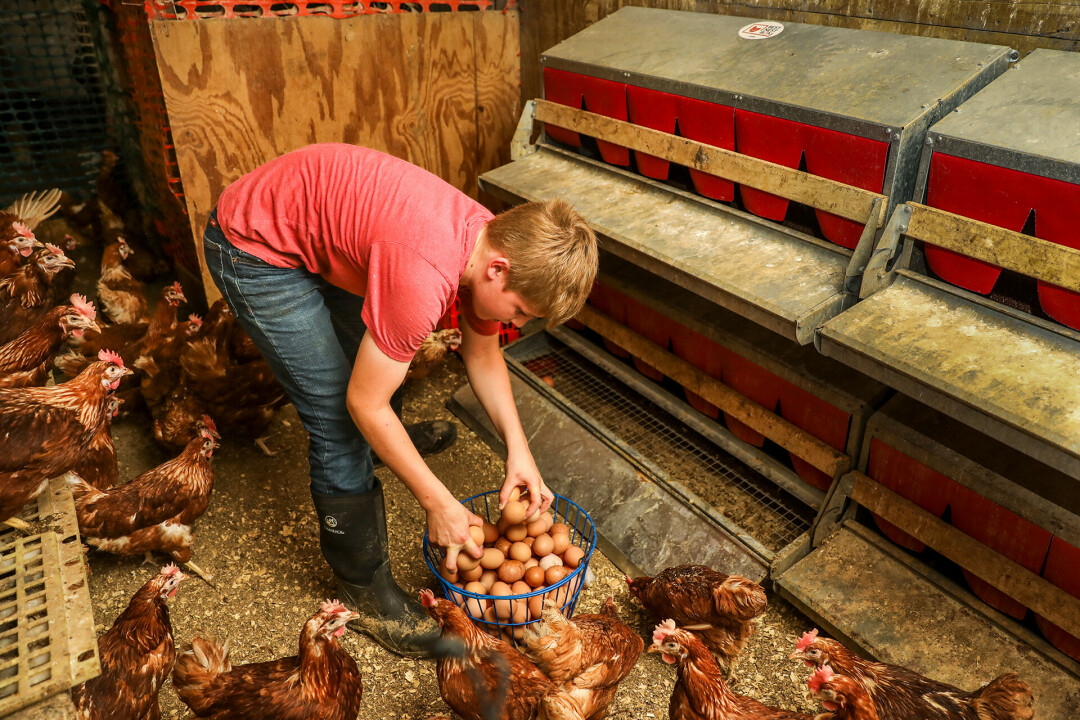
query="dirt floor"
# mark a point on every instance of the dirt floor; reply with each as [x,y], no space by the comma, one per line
[260,540]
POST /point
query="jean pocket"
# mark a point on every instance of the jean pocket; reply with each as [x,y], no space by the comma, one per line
[239,257]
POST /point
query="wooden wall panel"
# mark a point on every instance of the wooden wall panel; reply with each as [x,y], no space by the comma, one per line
[1020,25]
[241,92]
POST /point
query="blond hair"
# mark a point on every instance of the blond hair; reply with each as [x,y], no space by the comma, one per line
[552,253]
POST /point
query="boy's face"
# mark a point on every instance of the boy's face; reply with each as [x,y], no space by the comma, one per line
[492,301]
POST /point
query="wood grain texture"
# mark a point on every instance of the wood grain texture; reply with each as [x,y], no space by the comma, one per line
[1024,26]
[242,92]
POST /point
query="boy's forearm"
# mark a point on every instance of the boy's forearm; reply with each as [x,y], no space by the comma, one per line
[490,380]
[387,437]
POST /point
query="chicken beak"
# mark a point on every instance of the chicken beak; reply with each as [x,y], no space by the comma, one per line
[797,655]
[67,262]
[92,325]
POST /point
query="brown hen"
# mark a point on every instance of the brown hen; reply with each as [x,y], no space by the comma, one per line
[47,430]
[25,293]
[472,683]
[98,465]
[700,691]
[154,511]
[844,698]
[25,360]
[587,657]
[321,683]
[720,609]
[900,693]
[136,656]
[122,298]
[432,352]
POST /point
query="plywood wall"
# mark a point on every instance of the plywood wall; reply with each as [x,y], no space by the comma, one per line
[1020,25]
[441,90]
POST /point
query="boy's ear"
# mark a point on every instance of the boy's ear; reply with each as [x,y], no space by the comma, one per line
[498,266]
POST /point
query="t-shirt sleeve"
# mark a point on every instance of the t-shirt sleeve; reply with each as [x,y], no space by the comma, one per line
[405,298]
[482,327]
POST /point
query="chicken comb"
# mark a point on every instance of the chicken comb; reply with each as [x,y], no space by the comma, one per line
[806,640]
[171,569]
[822,675]
[332,607]
[121,240]
[662,631]
[54,249]
[427,598]
[23,229]
[110,357]
[178,289]
[195,320]
[83,306]
[208,422]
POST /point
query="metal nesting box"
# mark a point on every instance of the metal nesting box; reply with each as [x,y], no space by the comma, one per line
[855,103]
[1010,153]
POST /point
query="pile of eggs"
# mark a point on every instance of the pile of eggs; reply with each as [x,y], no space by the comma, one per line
[521,556]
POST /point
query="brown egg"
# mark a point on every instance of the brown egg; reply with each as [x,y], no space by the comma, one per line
[492,559]
[476,587]
[465,561]
[489,615]
[503,545]
[536,527]
[502,607]
[520,551]
[471,575]
[516,533]
[562,541]
[536,606]
[511,571]
[477,535]
[489,578]
[491,533]
[447,575]
[514,512]
[515,494]
[529,541]
[543,545]
[534,576]
[502,524]
[572,556]
[520,611]
[557,528]
[474,608]
[521,588]
[555,573]
[531,562]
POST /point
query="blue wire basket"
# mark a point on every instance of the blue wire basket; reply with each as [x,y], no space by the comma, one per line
[564,593]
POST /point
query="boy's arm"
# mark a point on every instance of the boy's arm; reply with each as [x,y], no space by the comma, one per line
[490,381]
[375,377]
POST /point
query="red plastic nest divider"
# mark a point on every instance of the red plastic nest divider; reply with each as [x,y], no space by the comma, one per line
[338,9]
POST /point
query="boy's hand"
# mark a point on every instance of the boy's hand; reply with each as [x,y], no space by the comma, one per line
[521,471]
[448,527]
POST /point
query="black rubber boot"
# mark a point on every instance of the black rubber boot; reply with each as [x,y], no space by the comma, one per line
[352,533]
[429,438]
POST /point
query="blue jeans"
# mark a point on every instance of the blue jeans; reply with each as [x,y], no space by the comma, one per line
[309,332]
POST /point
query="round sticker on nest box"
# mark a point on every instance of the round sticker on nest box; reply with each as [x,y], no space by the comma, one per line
[761,30]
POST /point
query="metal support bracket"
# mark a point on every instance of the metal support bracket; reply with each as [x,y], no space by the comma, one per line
[854,274]
[881,268]
[521,144]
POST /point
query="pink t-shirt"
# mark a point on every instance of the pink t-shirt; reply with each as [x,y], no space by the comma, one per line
[369,223]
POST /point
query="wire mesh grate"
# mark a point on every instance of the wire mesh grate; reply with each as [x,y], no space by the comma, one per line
[52,103]
[770,515]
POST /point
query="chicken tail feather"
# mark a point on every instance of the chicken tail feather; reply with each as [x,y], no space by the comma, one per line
[558,706]
[740,597]
[1004,698]
[196,669]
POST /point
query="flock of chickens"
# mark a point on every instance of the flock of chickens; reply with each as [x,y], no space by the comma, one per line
[201,373]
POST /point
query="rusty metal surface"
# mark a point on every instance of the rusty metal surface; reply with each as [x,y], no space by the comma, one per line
[1011,378]
[635,518]
[782,280]
[1035,492]
[1028,119]
[873,80]
[894,610]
